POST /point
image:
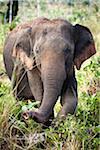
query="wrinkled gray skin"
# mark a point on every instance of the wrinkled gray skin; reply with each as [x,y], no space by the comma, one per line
[57,47]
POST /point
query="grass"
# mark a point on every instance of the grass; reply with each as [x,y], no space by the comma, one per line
[79,132]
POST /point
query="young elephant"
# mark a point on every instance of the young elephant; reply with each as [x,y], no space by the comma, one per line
[48,51]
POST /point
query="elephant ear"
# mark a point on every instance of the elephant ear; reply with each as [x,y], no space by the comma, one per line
[22,50]
[24,41]
[84,45]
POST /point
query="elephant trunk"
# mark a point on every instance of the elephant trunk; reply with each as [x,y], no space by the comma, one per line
[53,76]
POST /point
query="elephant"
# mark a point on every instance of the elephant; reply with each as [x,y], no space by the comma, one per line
[48,52]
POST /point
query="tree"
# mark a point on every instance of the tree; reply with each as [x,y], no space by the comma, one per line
[12,10]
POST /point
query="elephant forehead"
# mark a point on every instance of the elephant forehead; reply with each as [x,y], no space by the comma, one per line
[54,40]
[55,33]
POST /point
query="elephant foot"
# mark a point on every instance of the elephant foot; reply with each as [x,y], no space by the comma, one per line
[40,118]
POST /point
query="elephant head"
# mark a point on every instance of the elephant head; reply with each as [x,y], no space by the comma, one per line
[56,46]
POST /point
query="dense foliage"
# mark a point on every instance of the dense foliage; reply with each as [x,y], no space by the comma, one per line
[78,132]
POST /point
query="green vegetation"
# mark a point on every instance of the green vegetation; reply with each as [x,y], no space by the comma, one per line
[79,132]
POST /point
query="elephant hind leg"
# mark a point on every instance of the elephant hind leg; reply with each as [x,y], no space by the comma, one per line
[22,89]
[35,84]
[20,85]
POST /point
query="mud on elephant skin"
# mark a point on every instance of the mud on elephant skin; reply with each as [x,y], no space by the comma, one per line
[48,50]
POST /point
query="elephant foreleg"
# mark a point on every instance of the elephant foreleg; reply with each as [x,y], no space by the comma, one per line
[69,97]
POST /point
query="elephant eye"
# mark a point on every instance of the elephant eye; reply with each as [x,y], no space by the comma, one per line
[45,32]
[66,50]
